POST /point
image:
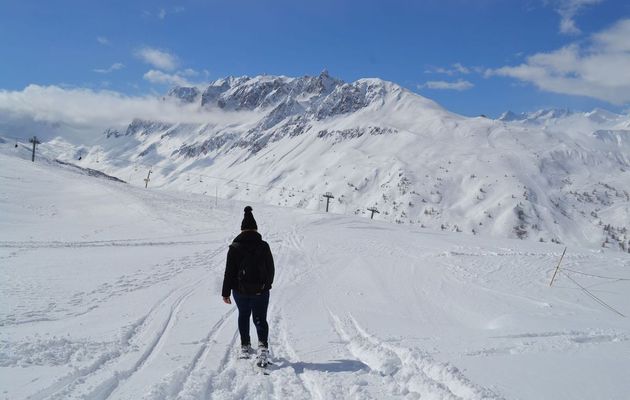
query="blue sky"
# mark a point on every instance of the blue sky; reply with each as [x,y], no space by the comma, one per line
[472,56]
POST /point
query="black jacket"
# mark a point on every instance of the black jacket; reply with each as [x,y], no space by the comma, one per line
[249,240]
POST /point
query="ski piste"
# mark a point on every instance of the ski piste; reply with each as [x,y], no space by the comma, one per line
[469,313]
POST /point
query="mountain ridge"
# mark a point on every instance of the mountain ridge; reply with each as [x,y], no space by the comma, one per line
[557,176]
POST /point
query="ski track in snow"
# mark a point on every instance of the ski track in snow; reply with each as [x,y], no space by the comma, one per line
[109,387]
[407,371]
[382,369]
[88,301]
[148,324]
[549,341]
[66,386]
[104,243]
[233,378]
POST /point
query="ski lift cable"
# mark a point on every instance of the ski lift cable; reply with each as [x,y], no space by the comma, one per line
[228,180]
[18,140]
[14,137]
[591,295]
[596,276]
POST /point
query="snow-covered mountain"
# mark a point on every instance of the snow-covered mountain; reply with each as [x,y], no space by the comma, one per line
[539,116]
[553,115]
[552,175]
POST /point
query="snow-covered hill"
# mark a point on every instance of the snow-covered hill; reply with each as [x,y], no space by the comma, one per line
[550,176]
[110,291]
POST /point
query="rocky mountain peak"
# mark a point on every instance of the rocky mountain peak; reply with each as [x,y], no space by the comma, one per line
[321,95]
[184,94]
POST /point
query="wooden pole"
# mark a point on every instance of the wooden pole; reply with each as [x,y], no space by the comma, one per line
[558,267]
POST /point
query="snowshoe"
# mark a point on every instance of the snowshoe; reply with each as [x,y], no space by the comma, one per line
[263,357]
[245,352]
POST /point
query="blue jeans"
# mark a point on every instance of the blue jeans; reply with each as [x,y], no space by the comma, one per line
[255,304]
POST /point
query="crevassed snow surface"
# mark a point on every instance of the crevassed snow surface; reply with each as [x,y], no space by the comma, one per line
[109,291]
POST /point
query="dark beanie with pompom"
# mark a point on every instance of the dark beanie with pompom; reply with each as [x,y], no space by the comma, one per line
[248,220]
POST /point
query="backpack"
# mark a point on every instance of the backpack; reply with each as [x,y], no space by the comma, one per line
[252,274]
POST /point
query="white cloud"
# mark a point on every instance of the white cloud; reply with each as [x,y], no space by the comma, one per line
[103,40]
[456,68]
[114,67]
[461,69]
[158,58]
[162,12]
[188,72]
[77,112]
[600,69]
[459,85]
[568,9]
[160,77]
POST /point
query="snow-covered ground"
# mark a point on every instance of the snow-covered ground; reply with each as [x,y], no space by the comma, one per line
[113,291]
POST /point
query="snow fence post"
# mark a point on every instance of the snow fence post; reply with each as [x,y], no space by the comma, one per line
[558,267]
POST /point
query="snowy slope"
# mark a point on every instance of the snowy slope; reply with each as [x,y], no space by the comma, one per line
[112,291]
[552,176]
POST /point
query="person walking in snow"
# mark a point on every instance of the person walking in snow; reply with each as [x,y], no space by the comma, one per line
[249,273]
